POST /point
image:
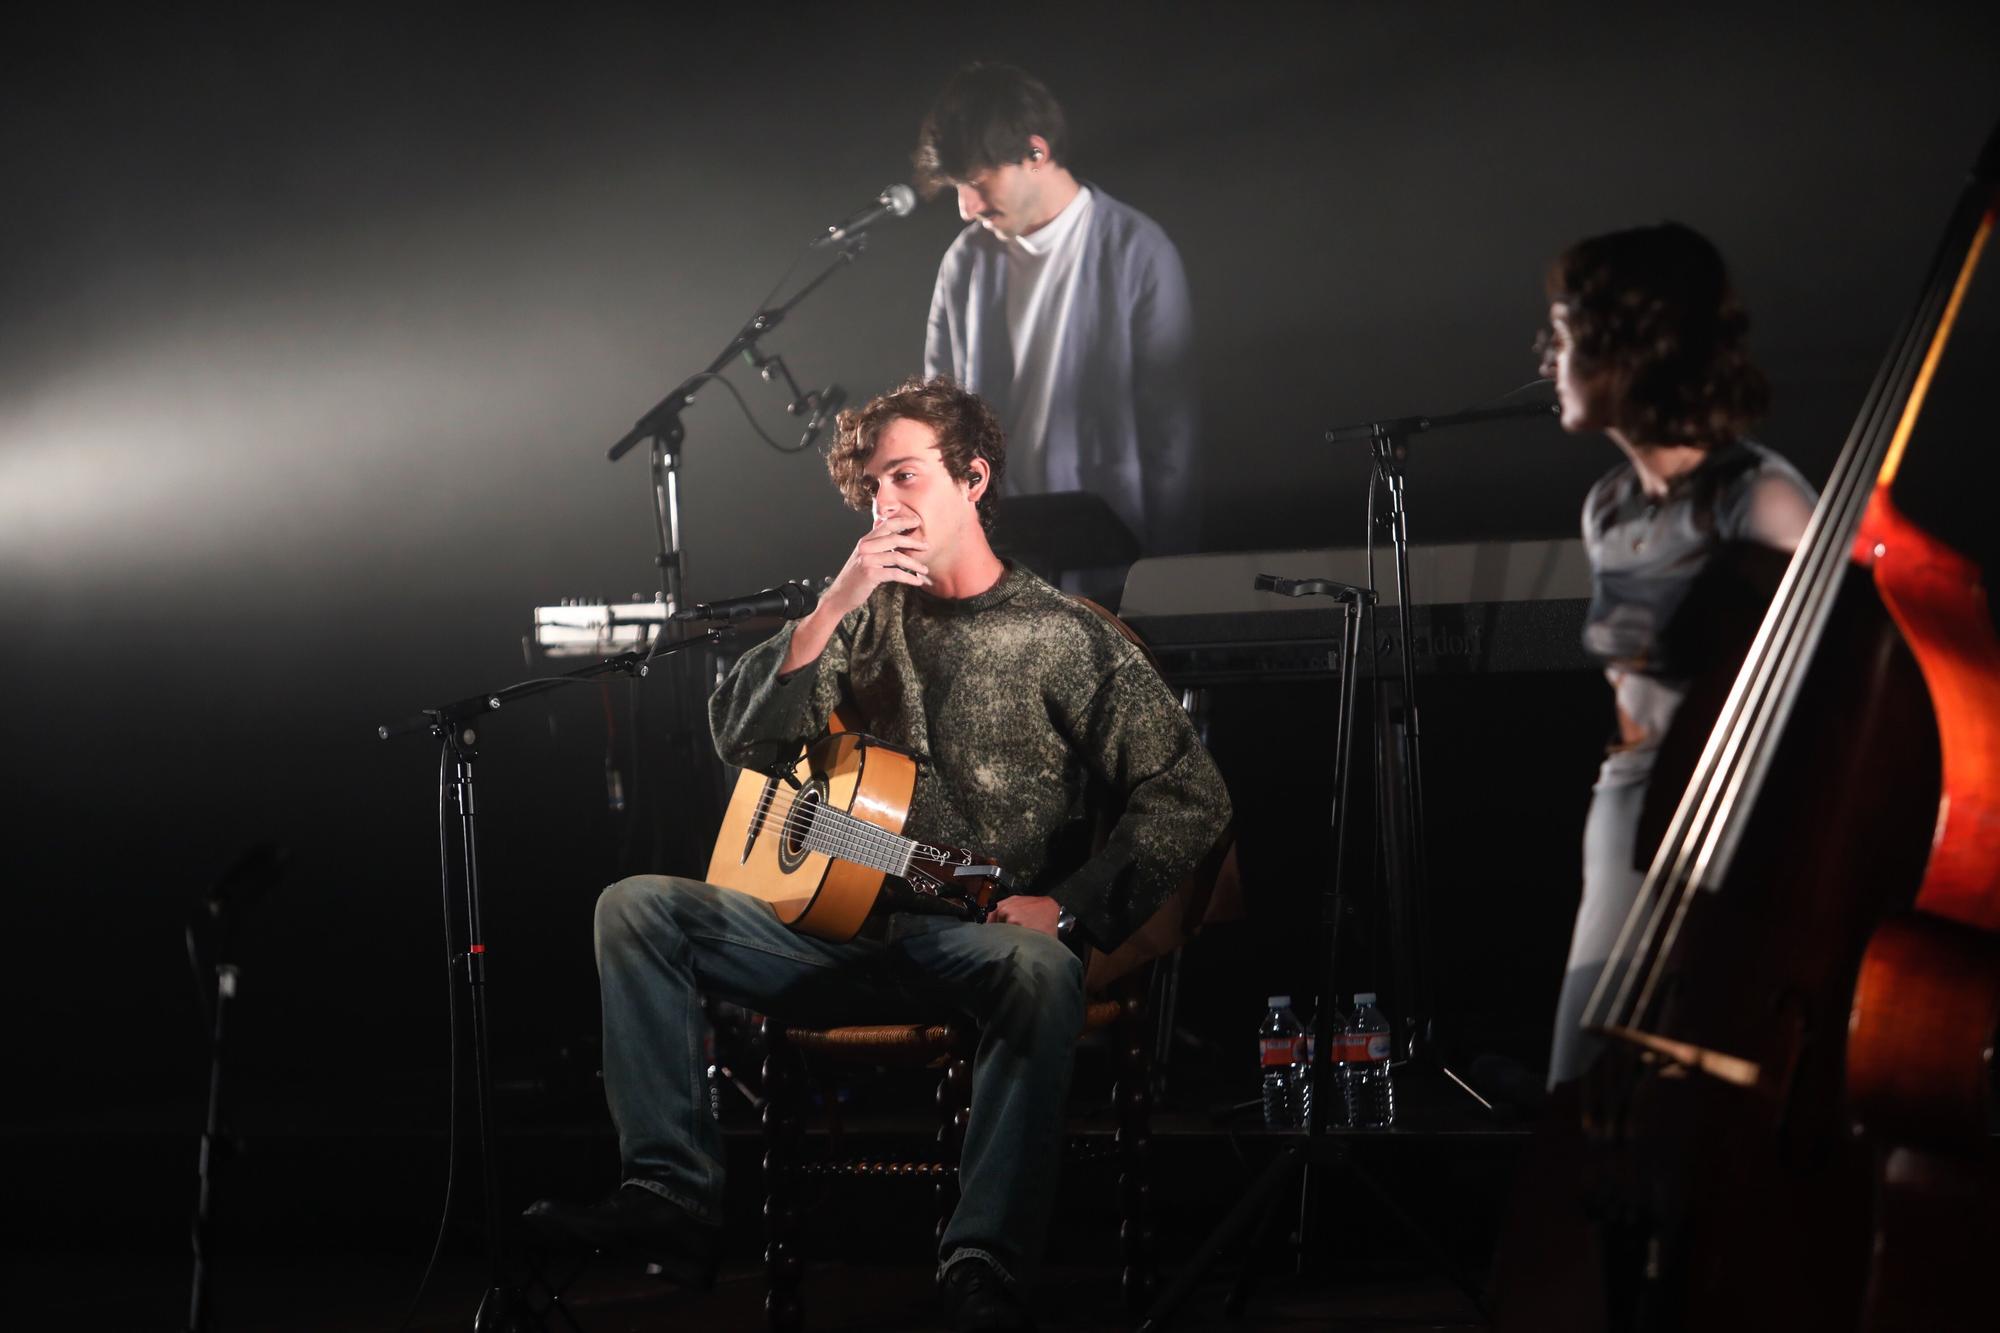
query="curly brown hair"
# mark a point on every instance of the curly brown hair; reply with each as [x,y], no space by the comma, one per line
[966,429]
[1653,308]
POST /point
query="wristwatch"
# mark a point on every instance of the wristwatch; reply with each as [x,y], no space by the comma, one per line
[1065,924]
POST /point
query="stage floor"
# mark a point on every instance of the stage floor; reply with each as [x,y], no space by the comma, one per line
[326,1292]
[325,1222]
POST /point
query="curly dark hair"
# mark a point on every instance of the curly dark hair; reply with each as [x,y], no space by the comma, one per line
[1653,308]
[982,118]
[966,429]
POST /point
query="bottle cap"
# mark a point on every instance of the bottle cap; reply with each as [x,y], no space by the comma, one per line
[1365,997]
[1280,1001]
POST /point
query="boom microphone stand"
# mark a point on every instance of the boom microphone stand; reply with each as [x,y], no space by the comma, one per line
[662,422]
[1389,444]
[1259,1204]
[662,426]
[456,724]
[1320,1146]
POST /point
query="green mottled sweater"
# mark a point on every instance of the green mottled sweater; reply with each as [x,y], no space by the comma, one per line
[1030,715]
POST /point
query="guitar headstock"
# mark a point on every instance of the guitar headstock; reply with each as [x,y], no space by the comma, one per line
[953,874]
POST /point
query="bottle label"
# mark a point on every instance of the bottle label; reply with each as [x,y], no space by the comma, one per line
[1277,1051]
[1375,1047]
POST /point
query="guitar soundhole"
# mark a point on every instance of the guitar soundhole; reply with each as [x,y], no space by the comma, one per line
[792,847]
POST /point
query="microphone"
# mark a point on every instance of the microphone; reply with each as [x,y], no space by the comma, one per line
[897,201]
[790,600]
[1402,426]
[825,405]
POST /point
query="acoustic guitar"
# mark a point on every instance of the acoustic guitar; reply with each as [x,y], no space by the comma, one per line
[824,842]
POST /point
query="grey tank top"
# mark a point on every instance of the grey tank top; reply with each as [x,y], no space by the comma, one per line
[1645,556]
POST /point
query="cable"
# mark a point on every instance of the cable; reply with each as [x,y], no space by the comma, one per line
[1368,543]
[614,782]
[660,491]
[784,277]
[200,978]
[742,403]
[451,1042]
[1531,384]
[625,859]
[1376,720]
[635,810]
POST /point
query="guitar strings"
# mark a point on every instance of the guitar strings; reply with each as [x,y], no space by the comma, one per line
[827,828]
[824,829]
[839,825]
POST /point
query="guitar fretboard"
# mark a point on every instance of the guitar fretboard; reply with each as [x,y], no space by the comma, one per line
[821,828]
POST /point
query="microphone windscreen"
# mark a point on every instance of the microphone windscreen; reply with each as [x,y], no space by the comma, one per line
[799,600]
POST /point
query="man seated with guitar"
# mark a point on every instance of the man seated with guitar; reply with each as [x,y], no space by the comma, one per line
[1033,721]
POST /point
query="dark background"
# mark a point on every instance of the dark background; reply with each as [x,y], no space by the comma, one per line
[317,325]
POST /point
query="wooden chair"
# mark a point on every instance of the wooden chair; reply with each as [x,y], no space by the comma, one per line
[1115,983]
[947,1047]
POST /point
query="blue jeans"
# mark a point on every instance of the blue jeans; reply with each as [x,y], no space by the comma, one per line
[1610,887]
[662,941]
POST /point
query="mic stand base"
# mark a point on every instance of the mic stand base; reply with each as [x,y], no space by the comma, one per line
[1256,1215]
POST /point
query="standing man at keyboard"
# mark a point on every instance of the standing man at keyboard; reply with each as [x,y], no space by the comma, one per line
[1064,308]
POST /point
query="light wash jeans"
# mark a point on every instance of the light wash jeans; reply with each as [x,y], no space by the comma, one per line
[663,941]
[1610,887]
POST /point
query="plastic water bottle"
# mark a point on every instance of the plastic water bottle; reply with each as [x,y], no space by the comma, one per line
[1278,1053]
[1334,1023]
[1302,1078]
[1371,1094]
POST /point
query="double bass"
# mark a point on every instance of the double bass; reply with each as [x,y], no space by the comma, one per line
[1792,1126]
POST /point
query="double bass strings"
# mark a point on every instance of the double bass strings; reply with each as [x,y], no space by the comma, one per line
[1738,750]
[1863,466]
[1689,848]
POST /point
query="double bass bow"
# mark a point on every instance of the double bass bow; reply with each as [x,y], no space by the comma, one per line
[1792,1125]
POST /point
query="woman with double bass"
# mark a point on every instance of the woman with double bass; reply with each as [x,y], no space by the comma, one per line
[1778,1028]
[1646,345]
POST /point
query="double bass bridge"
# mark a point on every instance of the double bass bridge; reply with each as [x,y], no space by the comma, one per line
[1720,1065]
